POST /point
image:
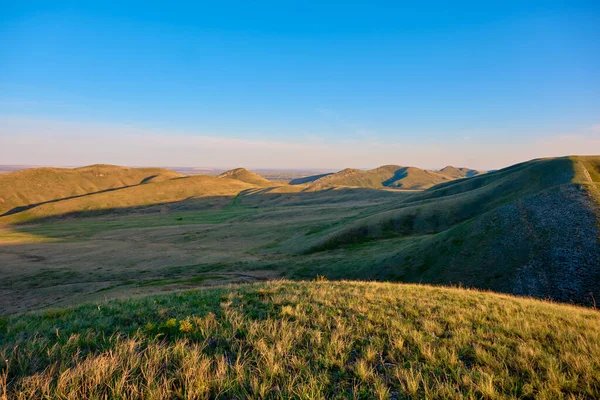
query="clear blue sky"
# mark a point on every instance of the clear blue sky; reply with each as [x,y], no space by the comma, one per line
[426,83]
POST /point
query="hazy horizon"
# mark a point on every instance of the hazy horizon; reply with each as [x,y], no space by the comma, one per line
[292,86]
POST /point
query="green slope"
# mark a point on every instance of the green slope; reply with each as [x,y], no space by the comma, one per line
[529,229]
[307,340]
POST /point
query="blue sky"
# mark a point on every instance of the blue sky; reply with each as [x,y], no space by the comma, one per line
[298,84]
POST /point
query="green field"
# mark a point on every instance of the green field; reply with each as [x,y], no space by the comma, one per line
[89,227]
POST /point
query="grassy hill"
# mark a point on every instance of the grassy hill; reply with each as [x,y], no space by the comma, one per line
[242,174]
[24,188]
[529,229]
[151,197]
[393,176]
[306,340]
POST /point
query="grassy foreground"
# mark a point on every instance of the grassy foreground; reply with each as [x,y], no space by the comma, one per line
[306,340]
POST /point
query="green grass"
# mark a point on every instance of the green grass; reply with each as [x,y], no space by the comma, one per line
[89,227]
[306,340]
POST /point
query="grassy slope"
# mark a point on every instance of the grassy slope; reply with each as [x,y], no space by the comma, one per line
[88,227]
[38,185]
[149,194]
[307,340]
[445,205]
[587,173]
[528,229]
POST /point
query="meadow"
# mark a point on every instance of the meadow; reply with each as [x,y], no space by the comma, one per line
[309,340]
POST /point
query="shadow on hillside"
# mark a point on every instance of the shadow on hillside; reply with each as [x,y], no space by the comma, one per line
[399,174]
[30,206]
[308,179]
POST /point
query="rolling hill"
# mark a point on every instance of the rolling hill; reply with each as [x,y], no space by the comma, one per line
[306,340]
[387,176]
[151,197]
[242,174]
[24,188]
[529,229]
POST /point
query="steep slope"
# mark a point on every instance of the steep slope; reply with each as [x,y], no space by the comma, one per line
[242,174]
[306,340]
[156,194]
[529,229]
[38,185]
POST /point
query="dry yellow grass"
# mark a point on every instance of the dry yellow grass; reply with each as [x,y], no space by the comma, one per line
[149,194]
[38,185]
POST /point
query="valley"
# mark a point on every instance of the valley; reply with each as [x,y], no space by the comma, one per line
[106,232]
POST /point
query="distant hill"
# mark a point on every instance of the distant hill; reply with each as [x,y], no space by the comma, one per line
[390,176]
[242,174]
[308,179]
[38,185]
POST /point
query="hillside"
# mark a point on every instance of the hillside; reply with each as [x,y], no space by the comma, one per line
[24,188]
[162,193]
[242,174]
[306,340]
[414,179]
[528,229]
[392,176]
